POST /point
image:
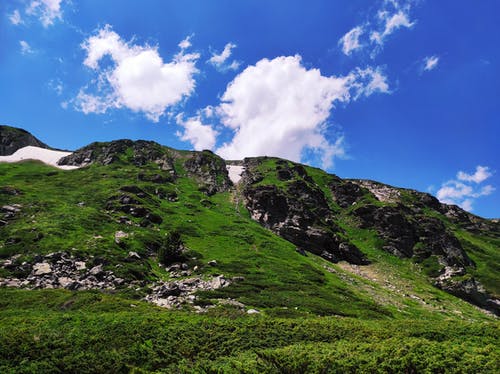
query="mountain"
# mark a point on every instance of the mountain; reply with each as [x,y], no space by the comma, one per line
[12,139]
[275,270]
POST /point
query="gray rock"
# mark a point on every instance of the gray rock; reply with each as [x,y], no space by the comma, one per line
[96,270]
[134,255]
[42,268]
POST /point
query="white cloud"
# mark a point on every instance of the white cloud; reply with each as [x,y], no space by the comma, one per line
[25,48]
[15,18]
[186,43]
[460,192]
[482,173]
[46,10]
[137,79]
[369,81]
[219,61]
[350,41]
[391,22]
[430,63]
[392,16]
[279,108]
[199,135]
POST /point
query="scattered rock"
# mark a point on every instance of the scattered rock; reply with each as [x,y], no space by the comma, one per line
[119,235]
[42,268]
[182,292]
[134,255]
[212,263]
[253,311]
[96,270]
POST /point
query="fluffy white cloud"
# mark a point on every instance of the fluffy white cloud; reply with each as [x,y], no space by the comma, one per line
[279,108]
[25,47]
[430,63]
[199,135]
[46,10]
[350,41]
[15,18]
[138,78]
[482,173]
[392,16]
[461,192]
[220,60]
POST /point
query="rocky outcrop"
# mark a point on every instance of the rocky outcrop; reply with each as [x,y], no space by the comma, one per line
[455,281]
[298,212]
[138,153]
[406,234]
[347,193]
[210,171]
[12,139]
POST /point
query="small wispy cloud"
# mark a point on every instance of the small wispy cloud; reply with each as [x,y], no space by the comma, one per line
[25,47]
[373,32]
[15,18]
[186,43]
[47,11]
[430,63]
[463,190]
[220,60]
[350,41]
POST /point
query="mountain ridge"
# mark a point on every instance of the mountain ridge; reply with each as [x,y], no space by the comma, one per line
[316,211]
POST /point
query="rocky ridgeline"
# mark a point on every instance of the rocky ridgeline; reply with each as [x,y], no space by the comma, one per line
[12,139]
[207,168]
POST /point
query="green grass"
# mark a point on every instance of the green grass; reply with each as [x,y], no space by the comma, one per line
[55,331]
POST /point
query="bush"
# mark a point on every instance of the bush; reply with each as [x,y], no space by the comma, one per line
[171,249]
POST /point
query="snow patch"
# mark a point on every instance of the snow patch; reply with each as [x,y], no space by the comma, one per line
[235,172]
[46,156]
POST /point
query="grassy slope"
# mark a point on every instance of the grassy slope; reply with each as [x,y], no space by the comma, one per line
[375,318]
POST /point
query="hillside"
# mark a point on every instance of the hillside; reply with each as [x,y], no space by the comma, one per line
[275,272]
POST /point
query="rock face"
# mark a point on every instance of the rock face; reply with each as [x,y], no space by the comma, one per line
[454,281]
[298,212]
[210,171]
[12,139]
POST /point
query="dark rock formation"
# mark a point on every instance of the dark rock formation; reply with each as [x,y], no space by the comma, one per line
[401,231]
[299,213]
[454,281]
[347,193]
[210,171]
[12,139]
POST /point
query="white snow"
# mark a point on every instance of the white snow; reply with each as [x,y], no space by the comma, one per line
[46,156]
[235,172]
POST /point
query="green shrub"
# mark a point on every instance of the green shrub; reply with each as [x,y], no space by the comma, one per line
[171,249]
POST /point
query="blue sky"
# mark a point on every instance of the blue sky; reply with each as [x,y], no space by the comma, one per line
[404,92]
